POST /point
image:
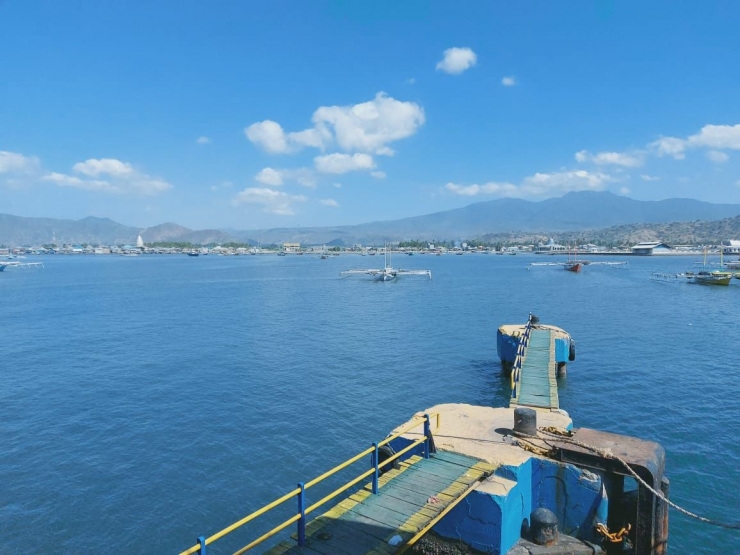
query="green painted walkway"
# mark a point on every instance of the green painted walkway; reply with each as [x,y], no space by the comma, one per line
[538,387]
[409,499]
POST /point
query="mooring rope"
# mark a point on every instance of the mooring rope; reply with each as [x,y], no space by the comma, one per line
[567,437]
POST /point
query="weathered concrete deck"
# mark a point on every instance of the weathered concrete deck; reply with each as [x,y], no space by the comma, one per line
[538,387]
[409,500]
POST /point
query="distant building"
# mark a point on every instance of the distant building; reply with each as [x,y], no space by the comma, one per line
[731,247]
[651,248]
[139,242]
[550,248]
[291,247]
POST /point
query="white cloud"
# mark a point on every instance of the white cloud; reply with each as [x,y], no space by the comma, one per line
[378,175]
[272,201]
[338,185]
[717,137]
[269,135]
[646,177]
[277,177]
[370,126]
[203,140]
[104,166]
[508,81]
[629,160]
[410,81]
[456,60]
[718,157]
[342,163]
[541,184]
[13,162]
[501,189]
[538,185]
[366,127]
[669,146]
[330,202]
[269,176]
[120,178]
[625,191]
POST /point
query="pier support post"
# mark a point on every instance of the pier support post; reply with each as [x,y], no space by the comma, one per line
[201,545]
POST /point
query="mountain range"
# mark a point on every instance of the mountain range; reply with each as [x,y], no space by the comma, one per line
[573,212]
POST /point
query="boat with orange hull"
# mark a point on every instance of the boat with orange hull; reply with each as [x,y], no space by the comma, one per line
[573,266]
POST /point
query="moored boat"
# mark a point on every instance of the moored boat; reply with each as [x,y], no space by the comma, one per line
[710,278]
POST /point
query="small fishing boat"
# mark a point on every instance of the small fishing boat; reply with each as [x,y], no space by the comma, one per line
[710,278]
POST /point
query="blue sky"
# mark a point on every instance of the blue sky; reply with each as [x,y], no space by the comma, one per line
[280,114]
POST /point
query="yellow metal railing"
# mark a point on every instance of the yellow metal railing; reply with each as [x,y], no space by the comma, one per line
[299,492]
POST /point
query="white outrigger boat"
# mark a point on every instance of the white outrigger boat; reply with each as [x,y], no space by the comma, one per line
[14,264]
[388,272]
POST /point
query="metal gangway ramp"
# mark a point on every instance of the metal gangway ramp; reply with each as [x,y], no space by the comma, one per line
[533,374]
[385,515]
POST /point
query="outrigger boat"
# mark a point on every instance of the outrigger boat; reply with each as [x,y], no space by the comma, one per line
[388,272]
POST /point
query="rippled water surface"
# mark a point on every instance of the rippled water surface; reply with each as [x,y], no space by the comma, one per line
[148,400]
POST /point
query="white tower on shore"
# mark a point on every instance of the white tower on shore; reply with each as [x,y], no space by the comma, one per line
[139,242]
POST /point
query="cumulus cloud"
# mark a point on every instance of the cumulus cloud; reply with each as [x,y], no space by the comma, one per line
[366,127]
[338,185]
[103,166]
[716,137]
[508,81]
[538,185]
[269,176]
[456,60]
[342,163]
[629,160]
[370,126]
[272,201]
[277,177]
[625,191]
[13,162]
[501,189]
[330,202]
[717,156]
[378,175]
[117,177]
[203,140]
[669,146]
[646,177]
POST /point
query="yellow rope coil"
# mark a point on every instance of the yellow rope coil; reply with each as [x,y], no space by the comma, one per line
[557,431]
[614,537]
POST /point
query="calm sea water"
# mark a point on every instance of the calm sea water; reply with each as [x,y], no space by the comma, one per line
[145,401]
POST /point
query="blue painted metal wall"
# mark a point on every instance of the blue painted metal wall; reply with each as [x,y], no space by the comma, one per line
[562,347]
[492,523]
[506,346]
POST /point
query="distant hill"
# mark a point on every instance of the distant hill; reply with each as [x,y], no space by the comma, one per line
[571,213]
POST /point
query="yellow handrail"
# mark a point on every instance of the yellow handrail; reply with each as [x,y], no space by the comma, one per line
[417,421]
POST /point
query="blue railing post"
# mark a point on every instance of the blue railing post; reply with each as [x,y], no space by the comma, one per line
[376,474]
[427,435]
[302,520]
[201,545]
